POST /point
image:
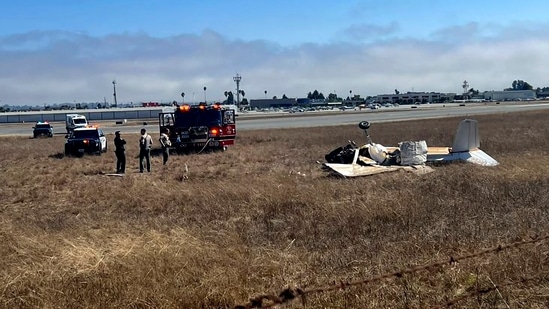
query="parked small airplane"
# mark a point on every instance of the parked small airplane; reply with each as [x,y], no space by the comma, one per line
[370,159]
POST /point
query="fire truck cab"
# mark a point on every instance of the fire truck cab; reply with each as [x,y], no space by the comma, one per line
[197,127]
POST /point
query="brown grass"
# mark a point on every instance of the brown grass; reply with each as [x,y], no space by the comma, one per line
[246,223]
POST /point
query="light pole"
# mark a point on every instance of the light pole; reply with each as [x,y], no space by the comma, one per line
[205,94]
[265,94]
[114,93]
[237,80]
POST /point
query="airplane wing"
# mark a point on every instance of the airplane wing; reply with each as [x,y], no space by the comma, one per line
[364,166]
[357,170]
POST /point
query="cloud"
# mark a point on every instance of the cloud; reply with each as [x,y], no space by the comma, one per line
[58,67]
[370,31]
[463,33]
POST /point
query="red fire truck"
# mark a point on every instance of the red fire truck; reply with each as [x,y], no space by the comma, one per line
[197,127]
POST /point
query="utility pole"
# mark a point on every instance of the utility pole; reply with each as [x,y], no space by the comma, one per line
[205,94]
[237,80]
[114,93]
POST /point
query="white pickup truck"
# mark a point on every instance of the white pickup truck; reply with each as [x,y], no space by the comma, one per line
[74,121]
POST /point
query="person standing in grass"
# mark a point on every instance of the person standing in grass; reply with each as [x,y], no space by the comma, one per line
[145,143]
[165,143]
[120,151]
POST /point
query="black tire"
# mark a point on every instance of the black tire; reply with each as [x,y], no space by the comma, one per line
[364,125]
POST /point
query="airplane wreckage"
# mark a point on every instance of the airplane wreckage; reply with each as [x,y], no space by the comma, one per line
[411,156]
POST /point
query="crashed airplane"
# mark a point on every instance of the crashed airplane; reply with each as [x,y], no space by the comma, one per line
[411,156]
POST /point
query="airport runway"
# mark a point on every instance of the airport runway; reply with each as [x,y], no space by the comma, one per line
[316,119]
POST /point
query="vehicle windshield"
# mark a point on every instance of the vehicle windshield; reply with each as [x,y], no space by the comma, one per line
[85,134]
[42,126]
[194,118]
[79,121]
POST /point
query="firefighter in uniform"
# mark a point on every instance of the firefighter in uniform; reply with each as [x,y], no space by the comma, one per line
[165,143]
[120,151]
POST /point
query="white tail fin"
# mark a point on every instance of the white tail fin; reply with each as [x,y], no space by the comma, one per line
[466,145]
[467,136]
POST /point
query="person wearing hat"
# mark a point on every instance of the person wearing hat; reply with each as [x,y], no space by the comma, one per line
[120,151]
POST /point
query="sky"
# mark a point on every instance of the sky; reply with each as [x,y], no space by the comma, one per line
[60,51]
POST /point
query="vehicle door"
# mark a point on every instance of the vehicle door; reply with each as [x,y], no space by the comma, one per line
[228,117]
[102,139]
[229,123]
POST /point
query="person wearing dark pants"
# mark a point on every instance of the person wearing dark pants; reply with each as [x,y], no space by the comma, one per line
[120,151]
[145,143]
[165,143]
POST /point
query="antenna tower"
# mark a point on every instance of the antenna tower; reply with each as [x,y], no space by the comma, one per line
[237,80]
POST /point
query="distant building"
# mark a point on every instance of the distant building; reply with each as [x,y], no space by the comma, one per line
[303,101]
[272,103]
[415,97]
[150,104]
[510,95]
[542,95]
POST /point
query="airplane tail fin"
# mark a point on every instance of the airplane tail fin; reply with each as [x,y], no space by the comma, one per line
[467,137]
[467,144]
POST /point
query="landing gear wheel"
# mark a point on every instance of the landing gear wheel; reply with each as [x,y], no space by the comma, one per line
[364,125]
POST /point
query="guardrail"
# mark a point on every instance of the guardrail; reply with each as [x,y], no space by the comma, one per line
[106,114]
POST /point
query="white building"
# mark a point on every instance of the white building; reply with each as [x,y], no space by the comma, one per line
[414,97]
[510,95]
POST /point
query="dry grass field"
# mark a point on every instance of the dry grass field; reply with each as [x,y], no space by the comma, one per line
[245,223]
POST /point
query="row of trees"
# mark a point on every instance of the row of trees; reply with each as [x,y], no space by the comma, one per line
[230,97]
[332,97]
[522,85]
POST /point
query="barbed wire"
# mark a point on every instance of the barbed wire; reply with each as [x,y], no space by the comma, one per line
[289,294]
[482,291]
